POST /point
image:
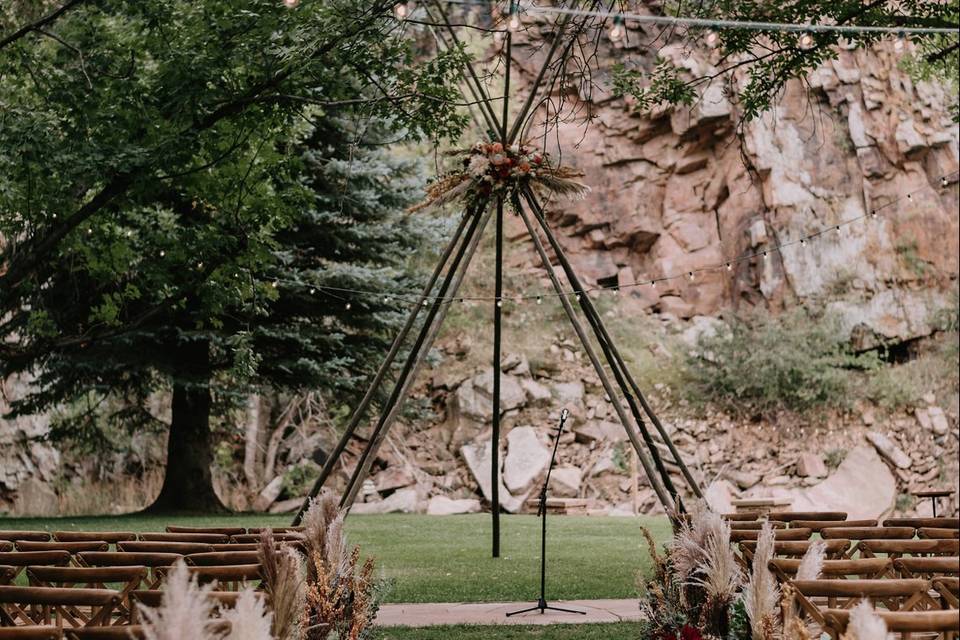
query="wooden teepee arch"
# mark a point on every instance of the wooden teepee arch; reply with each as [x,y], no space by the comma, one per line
[654,449]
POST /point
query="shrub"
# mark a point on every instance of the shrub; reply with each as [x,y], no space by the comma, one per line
[762,363]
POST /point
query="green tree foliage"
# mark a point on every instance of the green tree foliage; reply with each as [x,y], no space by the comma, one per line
[763,364]
[178,182]
[769,59]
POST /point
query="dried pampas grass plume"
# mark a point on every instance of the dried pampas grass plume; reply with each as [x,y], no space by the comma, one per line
[184,612]
[283,583]
[249,619]
[812,563]
[761,595]
[865,624]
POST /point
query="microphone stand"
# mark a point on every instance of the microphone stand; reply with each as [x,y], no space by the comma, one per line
[542,605]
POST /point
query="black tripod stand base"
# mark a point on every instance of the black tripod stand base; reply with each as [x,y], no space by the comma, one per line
[542,606]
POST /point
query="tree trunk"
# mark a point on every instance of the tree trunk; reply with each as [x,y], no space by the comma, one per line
[188,481]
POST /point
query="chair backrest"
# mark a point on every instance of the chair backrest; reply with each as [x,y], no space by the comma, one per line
[7,573]
[739,535]
[869,533]
[291,536]
[69,547]
[790,516]
[86,536]
[754,525]
[911,547]
[24,558]
[820,525]
[125,632]
[884,588]
[154,597]
[938,533]
[123,559]
[150,546]
[259,530]
[223,558]
[796,548]
[14,535]
[902,621]
[866,568]
[927,567]
[226,531]
[31,633]
[917,523]
[6,545]
[208,538]
[50,576]
[73,607]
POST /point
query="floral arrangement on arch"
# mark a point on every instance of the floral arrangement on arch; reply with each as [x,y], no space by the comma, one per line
[490,169]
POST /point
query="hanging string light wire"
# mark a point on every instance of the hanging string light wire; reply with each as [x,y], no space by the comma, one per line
[874,214]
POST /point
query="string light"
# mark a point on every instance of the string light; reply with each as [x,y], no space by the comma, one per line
[616,31]
[401,10]
[499,303]
[347,306]
[690,275]
[162,253]
[312,291]
[291,4]
[729,266]
[514,23]
[806,41]
[712,38]
[539,299]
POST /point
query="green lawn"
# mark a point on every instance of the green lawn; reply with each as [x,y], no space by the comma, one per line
[447,559]
[613,631]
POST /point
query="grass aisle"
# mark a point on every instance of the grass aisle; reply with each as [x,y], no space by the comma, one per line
[447,558]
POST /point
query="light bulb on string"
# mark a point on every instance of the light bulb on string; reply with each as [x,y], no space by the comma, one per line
[401,11]
[874,214]
[617,30]
[806,41]
[539,299]
[653,283]
[691,275]
[162,253]
[803,242]
[764,255]
[424,303]
[514,24]
[499,303]
[943,183]
[712,39]
[347,306]
[291,4]
[729,266]
[577,296]
[312,291]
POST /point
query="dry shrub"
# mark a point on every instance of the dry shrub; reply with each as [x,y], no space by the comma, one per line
[186,610]
[249,620]
[283,583]
[812,563]
[865,624]
[761,594]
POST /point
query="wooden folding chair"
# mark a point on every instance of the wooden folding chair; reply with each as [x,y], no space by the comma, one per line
[20,560]
[126,579]
[754,525]
[6,545]
[225,531]
[739,535]
[898,548]
[835,549]
[208,538]
[14,535]
[112,537]
[860,569]
[52,605]
[814,596]
[946,624]
[120,559]
[918,523]
[791,516]
[223,558]
[869,533]
[153,598]
[69,547]
[233,577]
[927,567]
[820,525]
[299,529]
[31,633]
[181,548]
[938,533]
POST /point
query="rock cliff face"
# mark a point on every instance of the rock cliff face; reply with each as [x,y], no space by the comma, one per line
[687,188]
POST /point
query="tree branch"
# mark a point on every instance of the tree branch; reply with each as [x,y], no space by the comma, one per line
[39,24]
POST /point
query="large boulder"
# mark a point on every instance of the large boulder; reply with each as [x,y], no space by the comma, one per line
[474,398]
[402,501]
[862,486]
[478,458]
[444,506]
[889,450]
[600,431]
[527,457]
[565,482]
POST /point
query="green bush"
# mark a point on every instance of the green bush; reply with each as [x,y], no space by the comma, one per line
[761,363]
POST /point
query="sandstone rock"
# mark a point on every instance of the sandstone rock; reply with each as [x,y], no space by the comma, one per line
[719,496]
[938,420]
[517,364]
[286,506]
[393,478]
[889,450]
[565,482]
[600,431]
[568,392]
[743,479]
[537,394]
[477,456]
[268,494]
[862,486]
[527,457]
[402,501]
[474,398]
[36,498]
[810,465]
[444,506]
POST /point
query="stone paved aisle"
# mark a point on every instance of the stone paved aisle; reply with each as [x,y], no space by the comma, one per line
[425,615]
